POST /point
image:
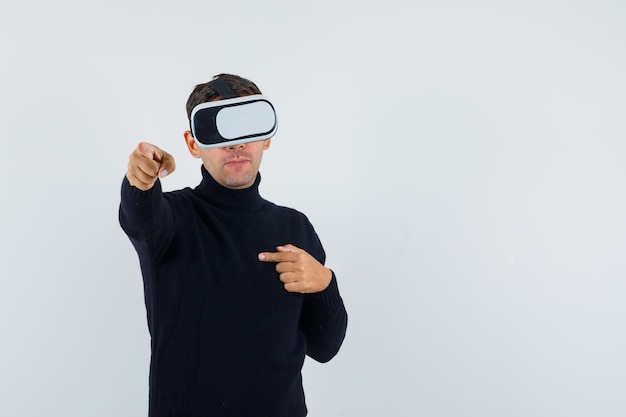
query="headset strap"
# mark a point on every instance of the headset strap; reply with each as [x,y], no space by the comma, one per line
[222,88]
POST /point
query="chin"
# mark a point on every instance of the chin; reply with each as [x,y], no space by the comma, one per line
[238,182]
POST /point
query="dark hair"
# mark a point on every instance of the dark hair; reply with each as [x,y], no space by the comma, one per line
[202,93]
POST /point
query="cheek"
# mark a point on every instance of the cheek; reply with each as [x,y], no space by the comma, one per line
[209,156]
[210,164]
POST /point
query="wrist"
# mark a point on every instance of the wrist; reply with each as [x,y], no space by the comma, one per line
[327,277]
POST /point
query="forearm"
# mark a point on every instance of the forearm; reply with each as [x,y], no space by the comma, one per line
[324,322]
[145,216]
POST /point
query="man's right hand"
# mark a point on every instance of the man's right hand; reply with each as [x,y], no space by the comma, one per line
[146,164]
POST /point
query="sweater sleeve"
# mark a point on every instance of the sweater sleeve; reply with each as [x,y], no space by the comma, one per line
[146,217]
[324,322]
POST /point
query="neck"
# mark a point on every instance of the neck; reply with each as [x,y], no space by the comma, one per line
[245,200]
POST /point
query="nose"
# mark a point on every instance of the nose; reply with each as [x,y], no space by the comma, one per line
[236,147]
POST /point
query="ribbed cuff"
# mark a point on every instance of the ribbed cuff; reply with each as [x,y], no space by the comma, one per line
[329,299]
[136,192]
[133,196]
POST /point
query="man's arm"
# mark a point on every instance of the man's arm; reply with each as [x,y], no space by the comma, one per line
[324,322]
[324,318]
[145,216]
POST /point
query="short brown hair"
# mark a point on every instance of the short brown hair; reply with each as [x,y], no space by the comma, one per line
[203,93]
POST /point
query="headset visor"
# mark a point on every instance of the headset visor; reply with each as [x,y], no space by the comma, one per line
[233,121]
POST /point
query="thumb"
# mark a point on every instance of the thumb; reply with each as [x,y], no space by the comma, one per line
[168,164]
[287,248]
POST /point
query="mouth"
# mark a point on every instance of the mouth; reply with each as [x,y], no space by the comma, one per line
[237,161]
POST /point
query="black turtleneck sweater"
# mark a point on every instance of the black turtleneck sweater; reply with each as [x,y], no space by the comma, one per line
[226,338]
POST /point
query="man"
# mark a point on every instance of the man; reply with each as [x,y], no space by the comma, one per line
[236,290]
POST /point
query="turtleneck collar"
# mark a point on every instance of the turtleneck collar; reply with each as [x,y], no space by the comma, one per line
[247,200]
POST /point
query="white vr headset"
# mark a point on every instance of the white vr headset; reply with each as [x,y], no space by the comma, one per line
[233,120]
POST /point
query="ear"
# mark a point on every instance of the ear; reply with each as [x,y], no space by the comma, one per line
[191,144]
[266,144]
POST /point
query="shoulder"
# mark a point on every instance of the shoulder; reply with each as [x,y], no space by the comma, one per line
[300,229]
[181,195]
[288,212]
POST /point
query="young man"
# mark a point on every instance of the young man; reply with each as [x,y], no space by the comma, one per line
[236,290]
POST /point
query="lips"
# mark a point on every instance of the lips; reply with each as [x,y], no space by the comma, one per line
[237,161]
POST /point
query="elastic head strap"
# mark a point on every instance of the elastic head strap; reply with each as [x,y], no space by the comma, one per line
[222,88]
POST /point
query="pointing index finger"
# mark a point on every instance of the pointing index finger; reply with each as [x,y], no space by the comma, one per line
[283,254]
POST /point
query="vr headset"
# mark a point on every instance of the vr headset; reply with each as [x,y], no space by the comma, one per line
[233,120]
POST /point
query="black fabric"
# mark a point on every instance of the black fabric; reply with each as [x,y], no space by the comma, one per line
[226,338]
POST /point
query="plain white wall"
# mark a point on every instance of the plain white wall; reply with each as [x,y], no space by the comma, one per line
[461,161]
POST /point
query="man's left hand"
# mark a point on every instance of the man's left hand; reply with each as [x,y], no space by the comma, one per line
[298,270]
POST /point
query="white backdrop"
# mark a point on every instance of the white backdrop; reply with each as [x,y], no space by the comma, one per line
[462,163]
